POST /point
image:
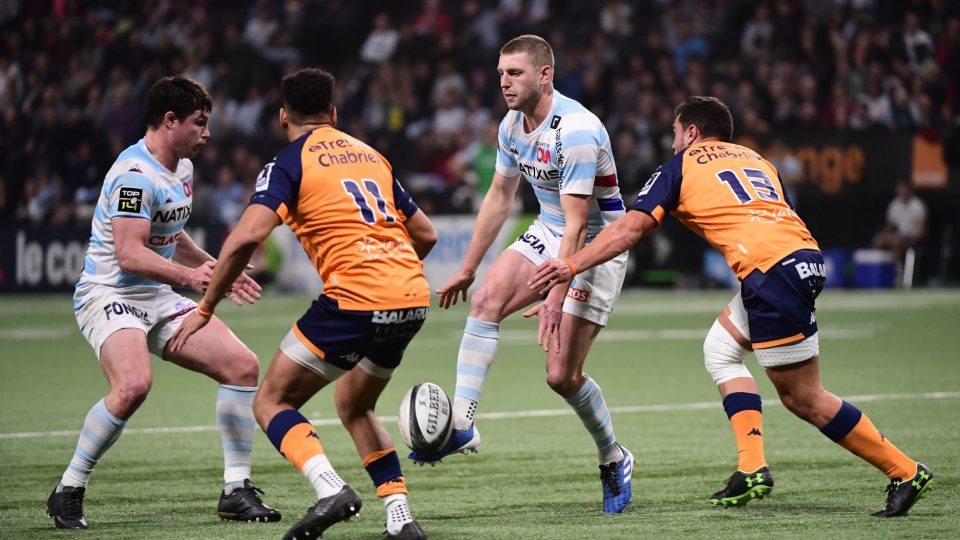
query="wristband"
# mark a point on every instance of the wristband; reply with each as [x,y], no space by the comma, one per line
[204,314]
[573,269]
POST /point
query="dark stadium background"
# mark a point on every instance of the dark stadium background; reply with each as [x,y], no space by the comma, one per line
[845,97]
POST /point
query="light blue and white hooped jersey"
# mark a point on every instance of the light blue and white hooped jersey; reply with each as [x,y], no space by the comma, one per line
[568,154]
[136,186]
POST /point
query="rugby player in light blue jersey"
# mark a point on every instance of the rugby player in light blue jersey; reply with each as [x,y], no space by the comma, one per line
[563,151]
[126,308]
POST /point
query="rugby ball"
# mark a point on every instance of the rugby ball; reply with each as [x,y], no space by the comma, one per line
[426,418]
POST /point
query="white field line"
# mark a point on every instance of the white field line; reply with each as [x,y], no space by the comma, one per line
[861,331]
[541,413]
[529,337]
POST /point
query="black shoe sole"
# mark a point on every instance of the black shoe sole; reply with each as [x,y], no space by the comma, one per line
[58,523]
[255,519]
[313,525]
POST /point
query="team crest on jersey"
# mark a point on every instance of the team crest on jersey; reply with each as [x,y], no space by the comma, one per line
[187,188]
[130,199]
[649,184]
[263,181]
[555,122]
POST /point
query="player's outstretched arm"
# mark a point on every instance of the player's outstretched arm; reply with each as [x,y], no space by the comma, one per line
[422,233]
[612,241]
[253,228]
[189,254]
[493,213]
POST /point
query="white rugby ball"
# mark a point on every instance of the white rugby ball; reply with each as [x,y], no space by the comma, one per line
[426,418]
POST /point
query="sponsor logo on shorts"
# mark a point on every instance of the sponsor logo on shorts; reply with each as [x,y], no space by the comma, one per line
[533,241]
[579,295]
[811,269]
[399,316]
[120,308]
[181,311]
[351,358]
[130,199]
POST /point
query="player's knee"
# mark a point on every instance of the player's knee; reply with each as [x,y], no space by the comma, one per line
[350,410]
[485,305]
[799,401]
[244,369]
[723,356]
[562,382]
[131,391]
[265,407]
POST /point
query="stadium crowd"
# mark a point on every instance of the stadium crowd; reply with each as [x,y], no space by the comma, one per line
[417,79]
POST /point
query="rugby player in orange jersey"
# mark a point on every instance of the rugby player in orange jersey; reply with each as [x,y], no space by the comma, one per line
[733,198]
[366,237]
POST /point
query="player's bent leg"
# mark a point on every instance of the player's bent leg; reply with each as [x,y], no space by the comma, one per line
[356,398]
[724,350]
[294,376]
[503,291]
[801,392]
[565,376]
[126,363]
[216,352]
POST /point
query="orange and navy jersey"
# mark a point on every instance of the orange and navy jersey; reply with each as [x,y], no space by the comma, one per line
[340,198]
[731,197]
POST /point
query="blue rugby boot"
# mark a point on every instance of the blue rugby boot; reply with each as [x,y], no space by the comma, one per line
[462,442]
[615,479]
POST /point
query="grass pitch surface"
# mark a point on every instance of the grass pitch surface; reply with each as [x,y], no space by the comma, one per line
[894,355]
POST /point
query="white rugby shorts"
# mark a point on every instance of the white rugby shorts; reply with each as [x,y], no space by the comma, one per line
[593,292]
[157,311]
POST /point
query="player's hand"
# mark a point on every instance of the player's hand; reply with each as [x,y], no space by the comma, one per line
[244,289]
[550,274]
[455,287]
[198,278]
[190,325]
[549,313]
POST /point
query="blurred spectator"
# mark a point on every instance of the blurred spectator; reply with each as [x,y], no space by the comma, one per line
[418,77]
[757,37]
[476,163]
[381,42]
[905,225]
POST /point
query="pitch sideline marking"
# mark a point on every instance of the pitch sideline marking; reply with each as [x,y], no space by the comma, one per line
[536,413]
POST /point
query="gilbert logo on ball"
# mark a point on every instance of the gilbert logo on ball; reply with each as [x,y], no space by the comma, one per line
[425,418]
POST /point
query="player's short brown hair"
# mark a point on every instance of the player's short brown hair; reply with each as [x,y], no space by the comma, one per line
[178,94]
[711,116]
[537,49]
[307,92]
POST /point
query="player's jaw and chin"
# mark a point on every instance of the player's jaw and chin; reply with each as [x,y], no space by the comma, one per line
[191,134]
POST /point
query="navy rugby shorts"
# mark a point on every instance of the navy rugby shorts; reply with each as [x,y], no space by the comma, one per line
[343,337]
[780,303]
